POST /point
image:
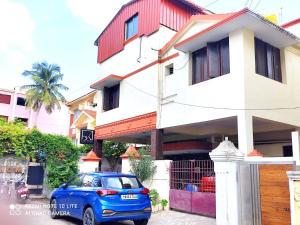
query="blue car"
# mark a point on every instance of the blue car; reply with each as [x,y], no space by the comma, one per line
[101,197]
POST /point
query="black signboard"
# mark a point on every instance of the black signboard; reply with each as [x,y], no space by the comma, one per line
[87,136]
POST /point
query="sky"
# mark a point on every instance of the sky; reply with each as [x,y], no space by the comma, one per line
[64,31]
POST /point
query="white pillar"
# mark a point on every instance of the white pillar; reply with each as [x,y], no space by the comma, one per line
[125,165]
[227,159]
[294,184]
[245,132]
[296,145]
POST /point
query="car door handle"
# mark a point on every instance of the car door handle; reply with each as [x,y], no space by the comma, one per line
[86,194]
[71,193]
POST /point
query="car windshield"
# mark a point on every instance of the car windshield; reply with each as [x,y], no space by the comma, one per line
[120,182]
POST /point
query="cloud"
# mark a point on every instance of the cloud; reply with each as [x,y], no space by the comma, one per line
[16,27]
[96,13]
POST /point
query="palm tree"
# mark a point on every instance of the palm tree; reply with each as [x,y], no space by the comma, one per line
[46,88]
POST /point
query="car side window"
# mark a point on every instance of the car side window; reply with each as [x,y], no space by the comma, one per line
[76,182]
[87,181]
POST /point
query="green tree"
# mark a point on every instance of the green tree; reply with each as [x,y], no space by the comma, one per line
[45,89]
[13,138]
[112,152]
[144,167]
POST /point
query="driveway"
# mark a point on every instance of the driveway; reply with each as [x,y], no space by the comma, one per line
[37,213]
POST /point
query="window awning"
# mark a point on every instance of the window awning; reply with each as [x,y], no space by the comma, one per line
[108,81]
[244,19]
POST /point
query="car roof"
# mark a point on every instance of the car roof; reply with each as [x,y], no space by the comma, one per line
[110,174]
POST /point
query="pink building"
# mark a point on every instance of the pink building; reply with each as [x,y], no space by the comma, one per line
[12,106]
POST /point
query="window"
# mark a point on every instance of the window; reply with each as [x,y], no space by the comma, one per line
[267,60]
[287,151]
[211,61]
[5,118]
[169,69]
[120,182]
[76,181]
[76,114]
[131,27]
[21,101]
[24,120]
[111,97]
[87,181]
[5,99]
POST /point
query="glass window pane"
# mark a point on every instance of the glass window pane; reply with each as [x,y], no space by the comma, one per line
[120,182]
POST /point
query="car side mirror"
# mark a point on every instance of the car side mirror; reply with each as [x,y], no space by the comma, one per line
[64,186]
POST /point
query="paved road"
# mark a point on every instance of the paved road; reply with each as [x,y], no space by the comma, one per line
[37,213]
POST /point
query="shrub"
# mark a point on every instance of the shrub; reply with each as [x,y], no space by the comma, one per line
[154,197]
[144,168]
[112,152]
[164,203]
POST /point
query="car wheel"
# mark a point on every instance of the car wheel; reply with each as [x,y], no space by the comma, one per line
[53,209]
[140,222]
[89,217]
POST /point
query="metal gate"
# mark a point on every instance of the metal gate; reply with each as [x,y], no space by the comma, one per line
[192,187]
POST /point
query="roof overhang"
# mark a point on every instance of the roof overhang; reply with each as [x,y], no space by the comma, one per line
[108,81]
[91,93]
[83,115]
[244,19]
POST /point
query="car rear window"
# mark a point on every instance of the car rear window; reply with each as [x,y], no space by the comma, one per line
[120,182]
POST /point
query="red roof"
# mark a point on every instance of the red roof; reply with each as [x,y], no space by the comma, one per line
[226,19]
[90,112]
[216,17]
[131,152]
[186,2]
[291,23]
[91,157]
[255,152]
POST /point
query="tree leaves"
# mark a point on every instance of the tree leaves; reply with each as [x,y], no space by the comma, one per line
[45,89]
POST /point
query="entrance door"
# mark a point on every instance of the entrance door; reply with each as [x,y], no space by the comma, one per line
[274,194]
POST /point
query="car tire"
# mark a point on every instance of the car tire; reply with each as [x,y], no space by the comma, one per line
[140,222]
[89,217]
[53,209]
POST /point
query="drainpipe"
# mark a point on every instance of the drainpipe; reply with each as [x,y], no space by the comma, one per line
[159,92]
[14,103]
[140,50]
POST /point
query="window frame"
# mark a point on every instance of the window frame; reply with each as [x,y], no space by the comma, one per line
[168,69]
[210,61]
[135,29]
[111,97]
[21,101]
[5,99]
[267,60]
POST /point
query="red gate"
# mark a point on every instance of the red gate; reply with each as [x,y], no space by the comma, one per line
[192,187]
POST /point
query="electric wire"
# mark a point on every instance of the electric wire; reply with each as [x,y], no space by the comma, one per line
[213,2]
[211,107]
[257,4]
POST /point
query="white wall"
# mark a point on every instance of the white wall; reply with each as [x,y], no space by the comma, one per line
[137,96]
[138,93]
[160,181]
[242,88]
[225,91]
[85,167]
[126,62]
